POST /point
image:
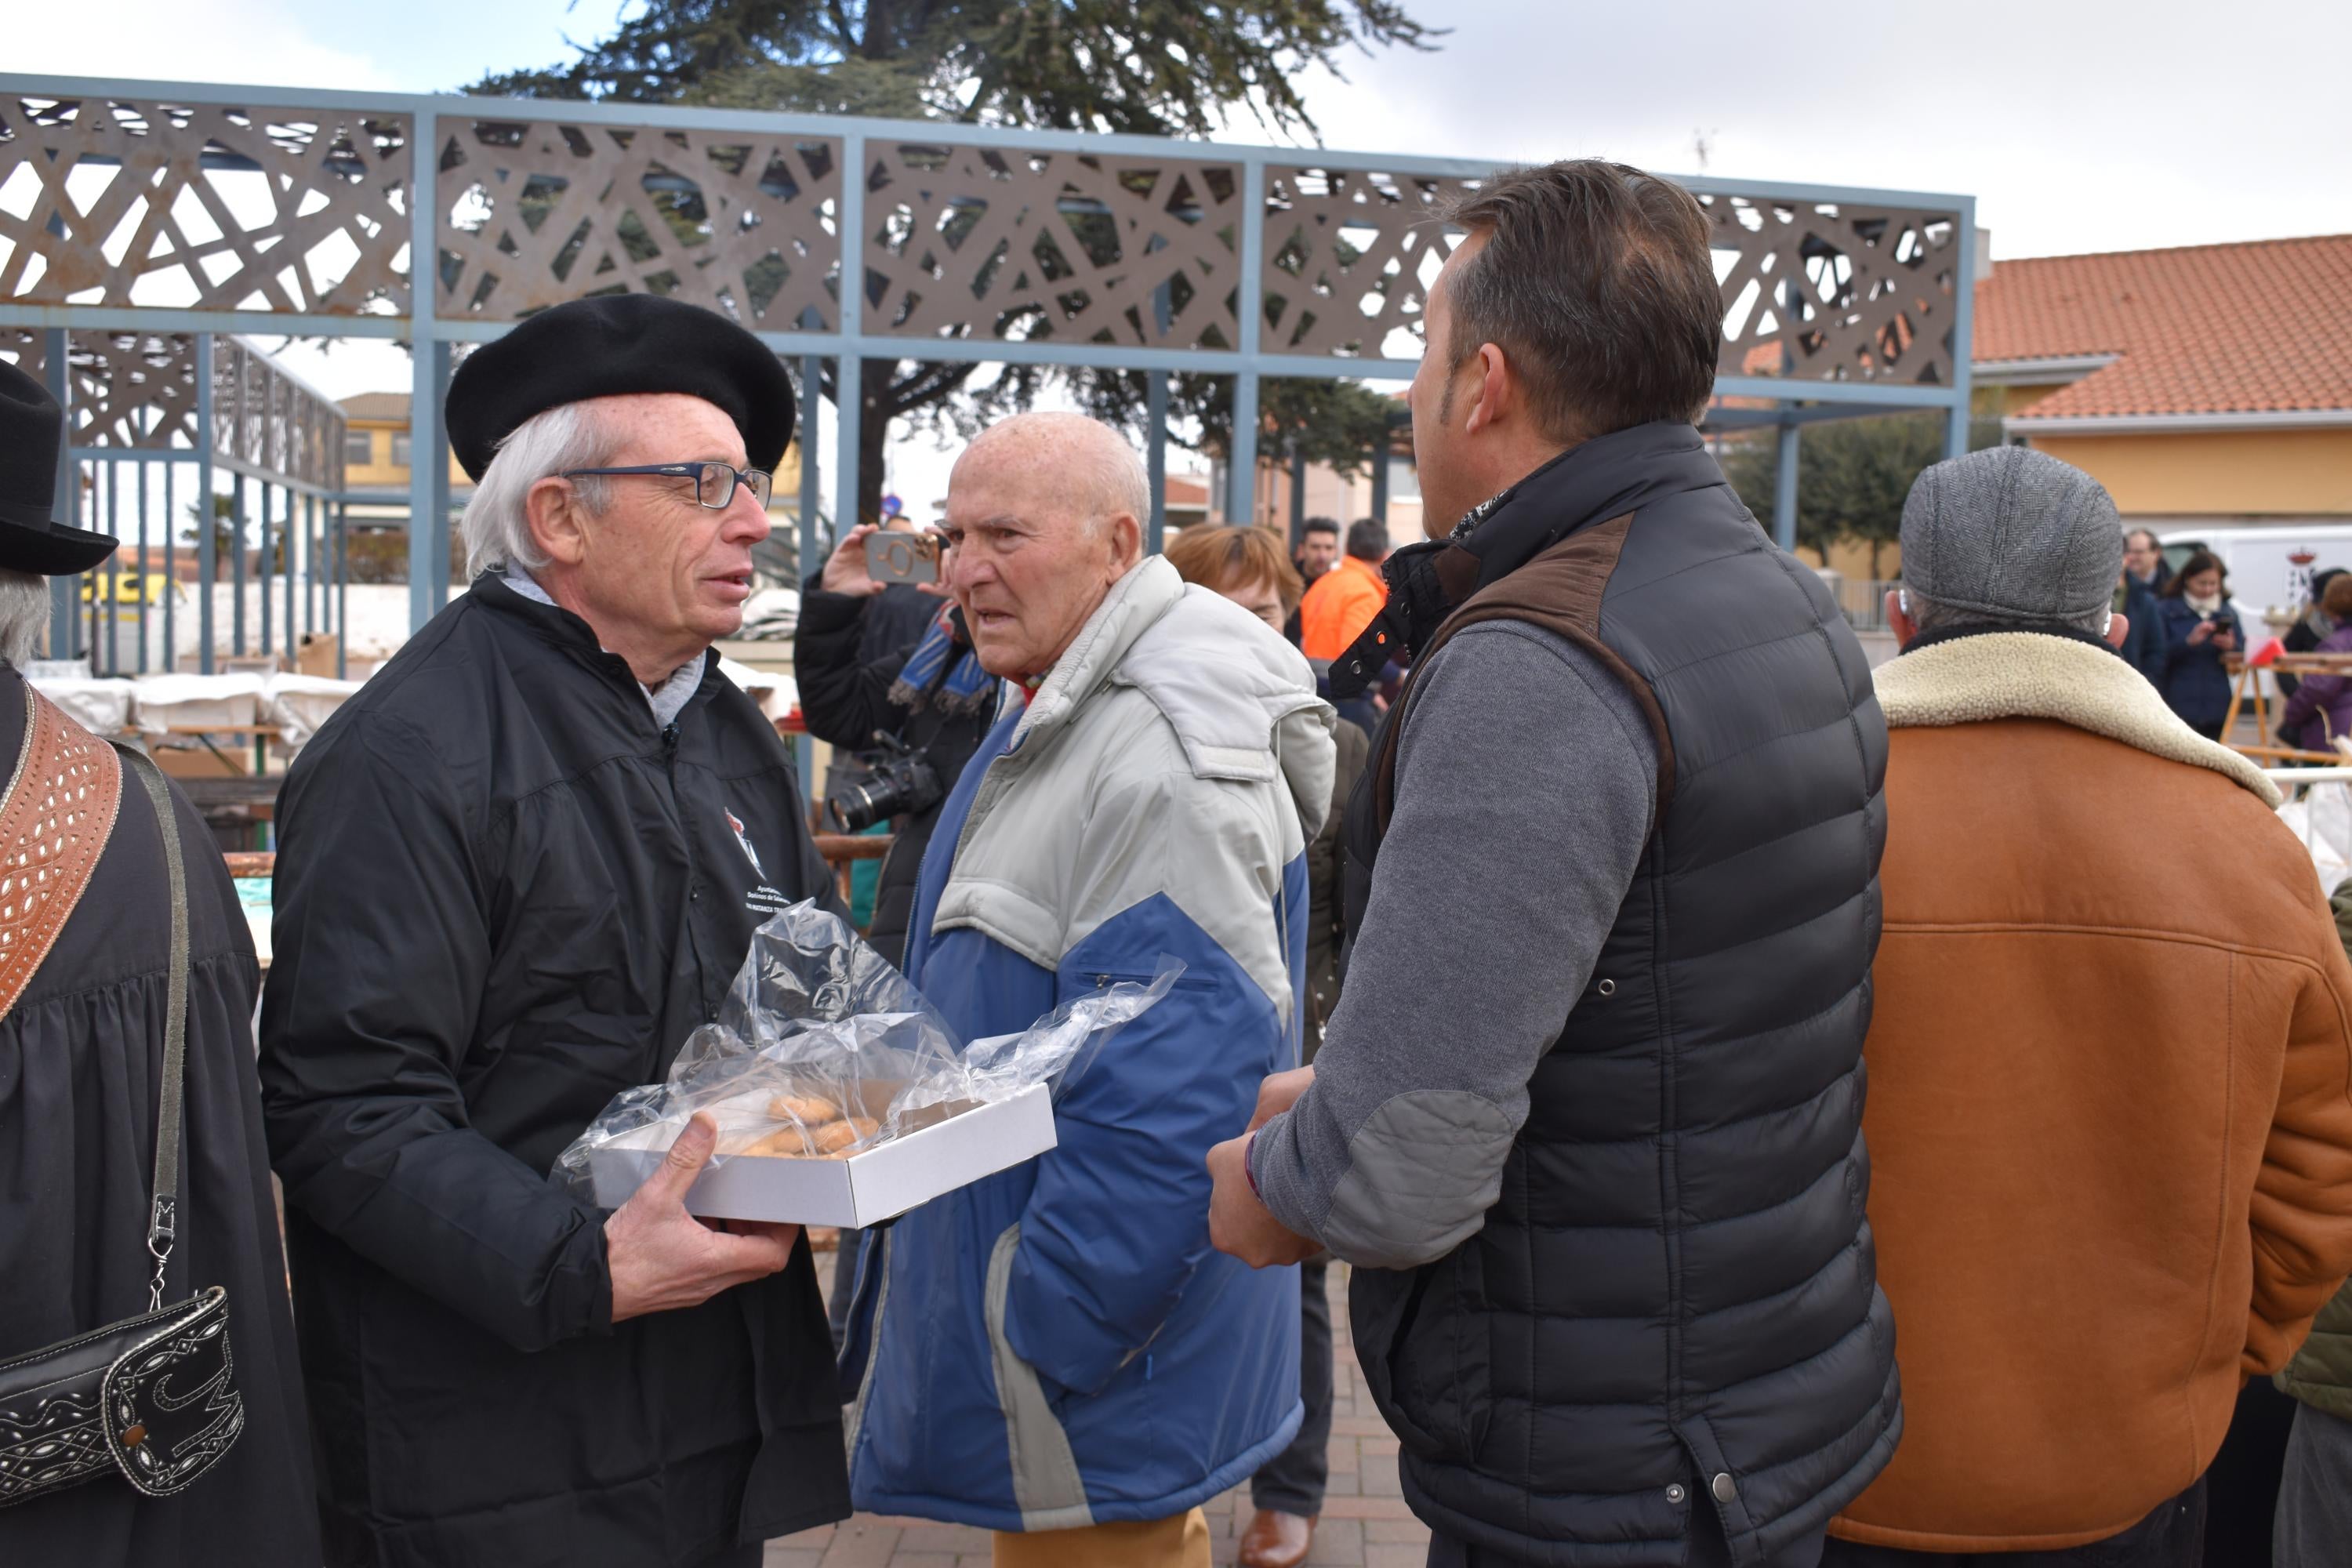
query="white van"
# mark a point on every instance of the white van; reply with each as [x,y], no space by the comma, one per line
[2269,566]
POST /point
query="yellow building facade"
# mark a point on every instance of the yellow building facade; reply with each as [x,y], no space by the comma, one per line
[2256,475]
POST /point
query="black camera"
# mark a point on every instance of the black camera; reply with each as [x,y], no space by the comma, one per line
[898,781]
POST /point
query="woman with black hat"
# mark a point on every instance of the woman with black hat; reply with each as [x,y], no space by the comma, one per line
[100,1462]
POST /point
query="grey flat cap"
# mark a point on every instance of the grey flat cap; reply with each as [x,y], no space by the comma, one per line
[2013,534]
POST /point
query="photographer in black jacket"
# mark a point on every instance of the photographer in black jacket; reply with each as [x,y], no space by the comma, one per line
[866,668]
[871,663]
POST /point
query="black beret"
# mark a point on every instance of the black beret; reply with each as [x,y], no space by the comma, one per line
[611,346]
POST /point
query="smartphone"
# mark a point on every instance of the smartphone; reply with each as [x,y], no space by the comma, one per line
[902,557]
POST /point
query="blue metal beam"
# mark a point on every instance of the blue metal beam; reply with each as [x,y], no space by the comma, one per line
[1155,465]
[1241,458]
[154,319]
[1881,394]
[1784,490]
[65,505]
[342,593]
[424,382]
[1723,420]
[169,455]
[805,558]
[428,460]
[1964,303]
[849,375]
[208,553]
[437,471]
[812,393]
[170,574]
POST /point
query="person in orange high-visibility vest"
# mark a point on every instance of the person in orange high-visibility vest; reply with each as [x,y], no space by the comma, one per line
[1343,600]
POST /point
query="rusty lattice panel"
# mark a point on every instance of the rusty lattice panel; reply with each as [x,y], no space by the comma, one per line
[139,390]
[535,214]
[1349,257]
[202,206]
[129,389]
[968,242]
[1823,291]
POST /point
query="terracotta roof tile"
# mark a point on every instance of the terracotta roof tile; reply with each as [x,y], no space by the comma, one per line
[2209,328]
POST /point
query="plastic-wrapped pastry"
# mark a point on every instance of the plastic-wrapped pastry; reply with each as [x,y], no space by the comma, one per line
[836,1136]
[808,1110]
[834,1140]
[784,1140]
[822,1051]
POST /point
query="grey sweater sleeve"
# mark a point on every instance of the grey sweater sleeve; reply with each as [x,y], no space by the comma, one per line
[1525,782]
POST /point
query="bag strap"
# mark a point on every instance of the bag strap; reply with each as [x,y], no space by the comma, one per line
[164,1214]
[53,824]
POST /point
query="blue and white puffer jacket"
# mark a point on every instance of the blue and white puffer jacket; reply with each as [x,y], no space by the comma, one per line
[1058,1345]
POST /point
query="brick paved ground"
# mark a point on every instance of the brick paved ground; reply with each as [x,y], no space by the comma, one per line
[1365,1523]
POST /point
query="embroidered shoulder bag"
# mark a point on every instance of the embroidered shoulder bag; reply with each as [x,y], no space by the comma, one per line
[152,1398]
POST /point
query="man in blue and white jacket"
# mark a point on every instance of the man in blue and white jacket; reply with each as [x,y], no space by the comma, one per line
[1056,1352]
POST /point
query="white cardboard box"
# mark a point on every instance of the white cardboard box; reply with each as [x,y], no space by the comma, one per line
[865,1189]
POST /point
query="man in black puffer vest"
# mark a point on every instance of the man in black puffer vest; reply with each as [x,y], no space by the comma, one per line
[1588,1120]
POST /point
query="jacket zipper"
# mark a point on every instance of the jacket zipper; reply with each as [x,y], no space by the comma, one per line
[878,1251]
[693,872]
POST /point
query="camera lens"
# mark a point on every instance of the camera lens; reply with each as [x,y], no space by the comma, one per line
[854,808]
[898,786]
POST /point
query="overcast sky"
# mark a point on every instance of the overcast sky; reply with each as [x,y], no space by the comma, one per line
[2078,124]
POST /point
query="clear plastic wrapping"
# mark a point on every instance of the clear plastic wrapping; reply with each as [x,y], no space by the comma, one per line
[822,1050]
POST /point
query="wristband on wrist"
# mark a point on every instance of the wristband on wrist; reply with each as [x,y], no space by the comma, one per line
[1249,1147]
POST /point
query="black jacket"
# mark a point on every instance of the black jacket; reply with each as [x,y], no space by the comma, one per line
[2143,644]
[1673,1304]
[1327,933]
[2312,628]
[847,655]
[893,622]
[80,1055]
[503,895]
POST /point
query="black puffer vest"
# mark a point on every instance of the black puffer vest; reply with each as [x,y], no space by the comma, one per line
[1673,1304]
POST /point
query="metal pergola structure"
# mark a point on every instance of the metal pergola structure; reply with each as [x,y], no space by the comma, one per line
[203,407]
[970,243]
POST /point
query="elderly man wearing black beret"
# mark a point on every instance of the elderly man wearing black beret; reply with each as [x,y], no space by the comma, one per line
[515,872]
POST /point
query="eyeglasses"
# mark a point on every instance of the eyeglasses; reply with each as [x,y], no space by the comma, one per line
[714,483]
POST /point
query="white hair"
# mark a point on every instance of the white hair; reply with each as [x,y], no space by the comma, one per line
[495,525]
[24,616]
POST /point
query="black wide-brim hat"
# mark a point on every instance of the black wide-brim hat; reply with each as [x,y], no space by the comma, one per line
[32,432]
[612,346]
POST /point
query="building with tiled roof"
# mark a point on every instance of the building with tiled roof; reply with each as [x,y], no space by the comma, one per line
[2206,384]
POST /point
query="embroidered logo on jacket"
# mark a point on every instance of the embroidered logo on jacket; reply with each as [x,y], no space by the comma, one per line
[743,838]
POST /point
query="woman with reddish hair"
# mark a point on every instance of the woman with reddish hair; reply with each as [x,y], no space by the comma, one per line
[1249,566]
